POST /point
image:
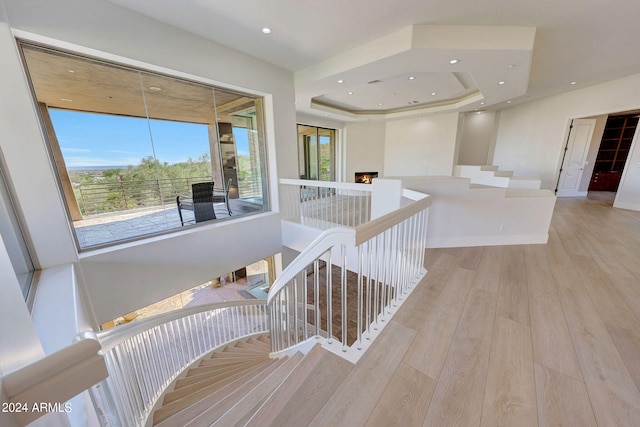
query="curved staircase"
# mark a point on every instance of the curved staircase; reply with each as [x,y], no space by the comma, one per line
[240,385]
[209,389]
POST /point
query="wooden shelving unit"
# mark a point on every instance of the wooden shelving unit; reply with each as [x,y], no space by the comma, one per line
[612,155]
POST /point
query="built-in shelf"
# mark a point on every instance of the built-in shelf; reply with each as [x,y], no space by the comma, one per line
[612,155]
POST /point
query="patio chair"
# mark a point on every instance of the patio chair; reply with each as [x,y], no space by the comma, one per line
[223,196]
[202,201]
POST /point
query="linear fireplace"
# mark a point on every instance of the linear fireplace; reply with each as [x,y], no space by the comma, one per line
[365,177]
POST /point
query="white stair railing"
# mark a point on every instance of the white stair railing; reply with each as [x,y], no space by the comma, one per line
[325,205]
[145,356]
[347,283]
[341,289]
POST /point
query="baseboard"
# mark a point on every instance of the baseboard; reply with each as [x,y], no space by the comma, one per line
[561,193]
[625,205]
[495,240]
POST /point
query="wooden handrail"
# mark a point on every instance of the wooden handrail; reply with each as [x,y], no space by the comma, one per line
[328,239]
[114,336]
[376,226]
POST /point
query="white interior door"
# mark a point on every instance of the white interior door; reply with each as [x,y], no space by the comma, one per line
[575,157]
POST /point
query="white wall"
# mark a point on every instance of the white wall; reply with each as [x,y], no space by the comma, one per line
[127,277]
[421,146]
[475,140]
[364,148]
[531,136]
[27,163]
[18,338]
[122,280]
[462,216]
[19,343]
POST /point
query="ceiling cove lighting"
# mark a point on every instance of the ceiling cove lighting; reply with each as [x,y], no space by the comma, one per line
[266,30]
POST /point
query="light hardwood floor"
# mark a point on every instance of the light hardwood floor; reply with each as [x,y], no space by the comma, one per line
[514,335]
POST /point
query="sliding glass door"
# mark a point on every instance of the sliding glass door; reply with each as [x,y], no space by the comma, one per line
[316,153]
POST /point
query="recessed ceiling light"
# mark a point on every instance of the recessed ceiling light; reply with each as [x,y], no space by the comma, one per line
[326,115]
[380,103]
[66,99]
[71,71]
[509,102]
[501,83]
[454,61]
[340,81]
[412,77]
[482,103]
[266,30]
[511,66]
[573,83]
[350,93]
[434,93]
[155,88]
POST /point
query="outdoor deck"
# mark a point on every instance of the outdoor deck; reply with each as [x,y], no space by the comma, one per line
[103,229]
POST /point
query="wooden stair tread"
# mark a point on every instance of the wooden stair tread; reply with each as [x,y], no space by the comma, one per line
[313,382]
[265,339]
[200,370]
[260,344]
[359,391]
[234,407]
[229,383]
[205,381]
[189,408]
[234,355]
[231,359]
[242,348]
[252,345]
[214,371]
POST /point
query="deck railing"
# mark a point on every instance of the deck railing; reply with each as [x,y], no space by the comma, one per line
[122,194]
[344,286]
[145,356]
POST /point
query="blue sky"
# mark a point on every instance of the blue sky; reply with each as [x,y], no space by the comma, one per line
[88,139]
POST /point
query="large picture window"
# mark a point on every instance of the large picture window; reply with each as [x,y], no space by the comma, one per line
[139,153]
